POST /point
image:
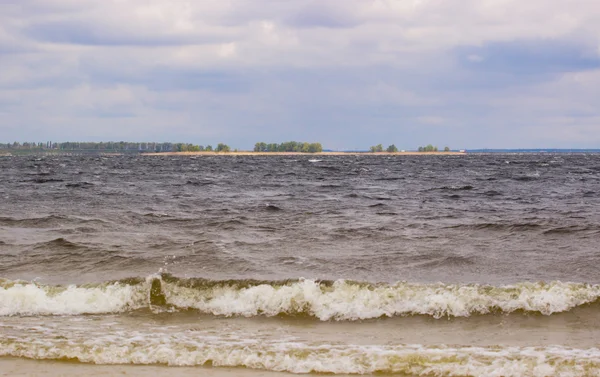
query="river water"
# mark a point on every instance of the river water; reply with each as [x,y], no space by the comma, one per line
[471,265]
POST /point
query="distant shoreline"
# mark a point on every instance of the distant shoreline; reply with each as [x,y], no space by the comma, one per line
[248,153]
[303,154]
[52,152]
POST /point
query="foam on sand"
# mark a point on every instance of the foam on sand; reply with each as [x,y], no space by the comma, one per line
[180,349]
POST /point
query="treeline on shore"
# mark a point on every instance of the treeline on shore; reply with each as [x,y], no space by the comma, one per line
[379,148]
[182,147]
[112,146]
[431,148]
[153,147]
[289,146]
[392,149]
[145,147]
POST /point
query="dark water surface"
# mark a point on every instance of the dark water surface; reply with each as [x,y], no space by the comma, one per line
[478,218]
[337,264]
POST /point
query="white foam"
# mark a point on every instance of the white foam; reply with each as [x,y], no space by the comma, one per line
[415,360]
[350,301]
[34,299]
[340,301]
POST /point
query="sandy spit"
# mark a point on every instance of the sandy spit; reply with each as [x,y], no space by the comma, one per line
[305,154]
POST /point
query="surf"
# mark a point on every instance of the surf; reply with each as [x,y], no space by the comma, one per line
[324,300]
[298,357]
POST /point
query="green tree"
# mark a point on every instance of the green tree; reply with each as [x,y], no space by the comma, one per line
[209,148]
[446,149]
[392,148]
[376,148]
[223,147]
[315,148]
[289,146]
[428,148]
[305,147]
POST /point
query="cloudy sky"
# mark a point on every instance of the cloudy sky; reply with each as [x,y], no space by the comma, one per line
[347,73]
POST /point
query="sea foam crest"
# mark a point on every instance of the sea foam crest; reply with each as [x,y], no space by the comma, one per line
[295,357]
[28,298]
[345,300]
[338,300]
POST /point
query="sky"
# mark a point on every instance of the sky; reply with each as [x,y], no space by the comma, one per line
[346,73]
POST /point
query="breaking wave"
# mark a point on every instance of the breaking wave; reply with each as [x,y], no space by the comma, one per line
[323,300]
[297,357]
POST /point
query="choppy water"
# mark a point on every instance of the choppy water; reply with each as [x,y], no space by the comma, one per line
[417,265]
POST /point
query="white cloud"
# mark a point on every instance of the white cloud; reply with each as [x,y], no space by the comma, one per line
[431,120]
[227,50]
[475,58]
[349,69]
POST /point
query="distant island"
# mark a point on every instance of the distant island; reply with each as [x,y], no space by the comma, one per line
[289,146]
[164,148]
[260,148]
[393,149]
[108,147]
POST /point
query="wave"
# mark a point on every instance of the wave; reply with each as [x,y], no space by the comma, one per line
[44,180]
[573,229]
[47,221]
[32,222]
[297,357]
[79,185]
[323,300]
[455,188]
[541,228]
[513,227]
[57,243]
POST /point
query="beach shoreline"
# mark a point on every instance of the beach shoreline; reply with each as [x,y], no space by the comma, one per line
[23,367]
[304,154]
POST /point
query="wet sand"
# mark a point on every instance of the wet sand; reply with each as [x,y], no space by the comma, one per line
[29,368]
[15,367]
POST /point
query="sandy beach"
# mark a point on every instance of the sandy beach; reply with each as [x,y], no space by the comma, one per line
[15,367]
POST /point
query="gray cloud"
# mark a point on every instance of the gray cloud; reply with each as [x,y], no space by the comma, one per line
[530,57]
[347,73]
[323,14]
[82,33]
